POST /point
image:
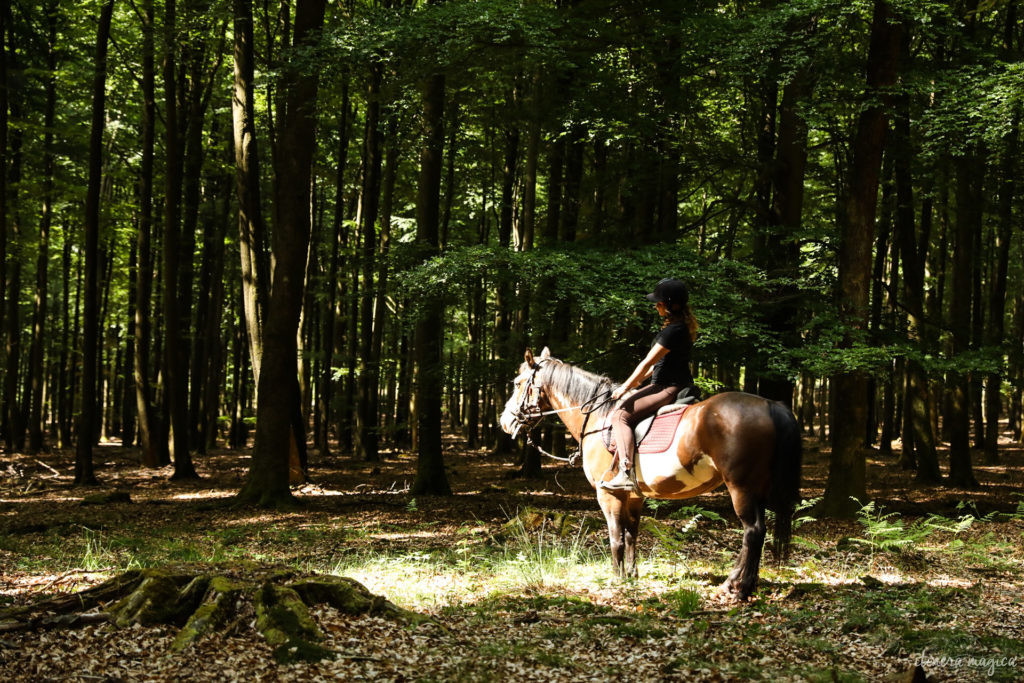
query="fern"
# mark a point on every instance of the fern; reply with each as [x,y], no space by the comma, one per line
[886,532]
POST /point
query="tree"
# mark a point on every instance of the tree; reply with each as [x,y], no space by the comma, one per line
[87,419]
[431,477]
[36,377]
[846,477]
[267,481]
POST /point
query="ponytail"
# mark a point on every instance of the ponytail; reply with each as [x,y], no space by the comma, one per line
[691,323]
[685,316]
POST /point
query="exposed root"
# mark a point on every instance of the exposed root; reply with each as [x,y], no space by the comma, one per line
[204,599]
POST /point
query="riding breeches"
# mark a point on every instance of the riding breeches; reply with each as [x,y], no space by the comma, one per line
[635,408]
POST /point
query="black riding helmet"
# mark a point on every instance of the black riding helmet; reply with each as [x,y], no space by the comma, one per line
[671,292]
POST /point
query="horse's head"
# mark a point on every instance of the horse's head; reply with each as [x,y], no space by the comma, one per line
[527,402]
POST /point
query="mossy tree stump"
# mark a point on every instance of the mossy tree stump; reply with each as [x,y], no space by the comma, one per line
[202,599]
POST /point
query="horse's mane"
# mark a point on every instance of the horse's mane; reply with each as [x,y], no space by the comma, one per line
[578,385]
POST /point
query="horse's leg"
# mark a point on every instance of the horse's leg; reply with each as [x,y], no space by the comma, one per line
[612,506]
[743,579]
[633,508]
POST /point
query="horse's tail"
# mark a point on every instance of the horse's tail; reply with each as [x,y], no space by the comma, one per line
[785,491]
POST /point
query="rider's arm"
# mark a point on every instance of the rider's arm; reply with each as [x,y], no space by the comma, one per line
[642,371]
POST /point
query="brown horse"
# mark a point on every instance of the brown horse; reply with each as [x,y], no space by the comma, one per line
[748,442]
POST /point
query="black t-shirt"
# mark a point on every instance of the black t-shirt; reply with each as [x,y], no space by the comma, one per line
[673,370]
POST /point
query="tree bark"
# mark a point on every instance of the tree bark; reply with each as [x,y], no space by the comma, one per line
[36,377]
[997,291]
[174,371]
[431,477]
[328,316]
[918,452]
[960,470]
[268,478]
[846,477]
[252,243]
[367,434]
[144,285]
[84,473]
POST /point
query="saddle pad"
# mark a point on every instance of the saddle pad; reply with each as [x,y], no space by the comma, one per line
[662,432]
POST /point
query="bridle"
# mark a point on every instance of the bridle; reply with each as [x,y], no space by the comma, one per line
[529,414]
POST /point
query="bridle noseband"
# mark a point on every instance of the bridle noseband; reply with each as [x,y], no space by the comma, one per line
[529,412]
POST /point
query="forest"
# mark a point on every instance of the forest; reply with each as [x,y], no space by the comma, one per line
[268,271]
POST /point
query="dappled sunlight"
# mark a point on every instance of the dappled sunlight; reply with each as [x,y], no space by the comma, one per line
[208,494]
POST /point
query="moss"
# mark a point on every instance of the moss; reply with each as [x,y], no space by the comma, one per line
[343,594]
[219,601]
[155,601]
[282,616]
[351,597]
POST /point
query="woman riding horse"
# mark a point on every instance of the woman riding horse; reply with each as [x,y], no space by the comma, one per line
[749,443]
[668,366]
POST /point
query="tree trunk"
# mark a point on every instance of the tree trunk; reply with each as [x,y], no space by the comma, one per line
[4,162]
[36,377]
[87,416]
[373,149]
[174,371]
[13,424]
[919,451]
[431,477]
[125,370]
[846,477]
[960,471]
[328,316]
[252,243]
[144,285]
[997,291]
[267,482]
[786,217]
[380,311]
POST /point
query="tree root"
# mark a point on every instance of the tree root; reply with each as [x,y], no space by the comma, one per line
[203,599]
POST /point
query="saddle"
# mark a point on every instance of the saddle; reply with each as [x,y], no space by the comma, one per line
[655,433]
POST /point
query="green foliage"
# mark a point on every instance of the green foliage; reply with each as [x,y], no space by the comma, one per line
[886,532]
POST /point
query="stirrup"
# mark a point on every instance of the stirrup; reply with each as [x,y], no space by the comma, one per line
[622,481]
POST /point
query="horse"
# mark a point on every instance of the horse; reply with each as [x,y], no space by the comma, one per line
[747,442]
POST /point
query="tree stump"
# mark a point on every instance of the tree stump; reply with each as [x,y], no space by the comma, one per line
[202,599]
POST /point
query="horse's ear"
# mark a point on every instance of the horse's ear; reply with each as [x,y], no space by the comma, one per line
[546,353]
[528,357]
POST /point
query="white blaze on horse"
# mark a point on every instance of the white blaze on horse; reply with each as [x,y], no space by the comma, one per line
[749,443]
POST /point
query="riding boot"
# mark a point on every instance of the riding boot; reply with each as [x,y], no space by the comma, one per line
[624,480]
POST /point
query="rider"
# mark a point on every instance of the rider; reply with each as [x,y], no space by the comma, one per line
[668,365]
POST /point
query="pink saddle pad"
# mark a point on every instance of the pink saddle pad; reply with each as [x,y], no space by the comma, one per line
[663,431]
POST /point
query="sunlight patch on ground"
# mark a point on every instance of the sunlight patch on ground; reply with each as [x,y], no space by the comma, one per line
[47,498]
[203,495]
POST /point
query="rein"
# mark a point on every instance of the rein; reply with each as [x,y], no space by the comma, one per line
[586,409]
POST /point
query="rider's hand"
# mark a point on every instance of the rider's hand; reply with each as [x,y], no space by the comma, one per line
[620,392]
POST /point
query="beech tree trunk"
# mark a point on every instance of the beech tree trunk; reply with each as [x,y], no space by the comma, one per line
[846,478]
[918,451]
[84,473]
[431,477]
[174,370]
[144,285]
[997,290]
[366,442]
[268,479]
[958,415]
[252,242]
[36,377]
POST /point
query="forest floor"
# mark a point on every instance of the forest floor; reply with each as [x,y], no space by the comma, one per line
[927,575]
